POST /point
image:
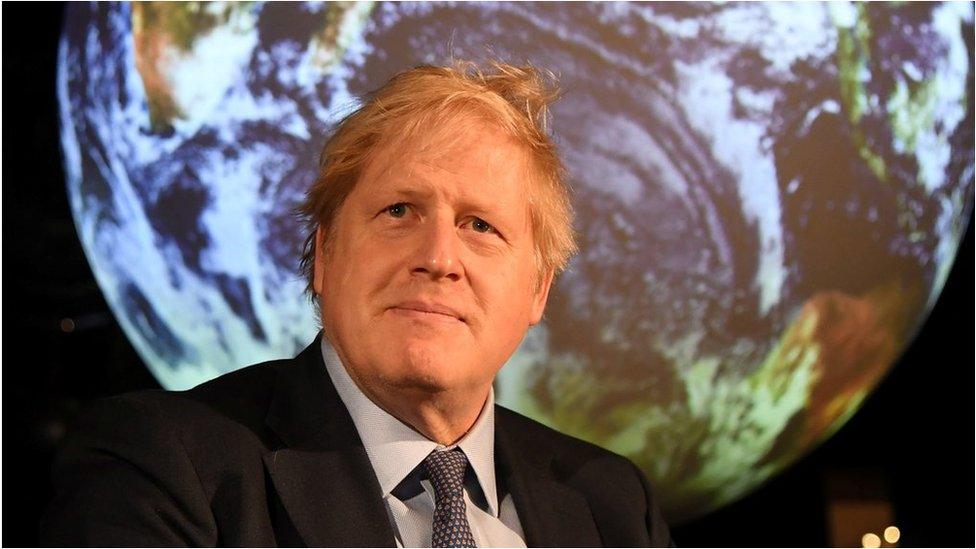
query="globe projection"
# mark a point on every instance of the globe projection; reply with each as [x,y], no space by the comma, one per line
[769,197]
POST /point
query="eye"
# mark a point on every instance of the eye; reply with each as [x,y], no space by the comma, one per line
[481,226]
[397,210]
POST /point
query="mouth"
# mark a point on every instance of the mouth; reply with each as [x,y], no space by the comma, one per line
[428,311]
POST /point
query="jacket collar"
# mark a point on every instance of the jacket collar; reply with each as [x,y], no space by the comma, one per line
[322,473]
[395,450]
[326,483]
[552,513]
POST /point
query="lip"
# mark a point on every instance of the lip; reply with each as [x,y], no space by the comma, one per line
[429,308]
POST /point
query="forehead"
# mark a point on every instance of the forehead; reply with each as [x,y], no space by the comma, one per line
[475,156]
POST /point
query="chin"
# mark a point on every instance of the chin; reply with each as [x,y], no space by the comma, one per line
[427,367]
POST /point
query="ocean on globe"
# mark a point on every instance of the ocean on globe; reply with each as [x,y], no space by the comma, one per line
[769,197]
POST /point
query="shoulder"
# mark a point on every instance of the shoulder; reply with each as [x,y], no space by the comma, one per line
[618,494]
[144,468]
[222,414]
[533,434]
[600,474]
[242,395]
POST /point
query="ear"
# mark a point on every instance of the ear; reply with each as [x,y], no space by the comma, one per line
[318,267]
[540,298]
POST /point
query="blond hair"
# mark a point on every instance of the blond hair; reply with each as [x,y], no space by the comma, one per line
[516,99]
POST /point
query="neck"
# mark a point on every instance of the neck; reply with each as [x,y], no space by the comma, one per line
[442,418]
[441,415]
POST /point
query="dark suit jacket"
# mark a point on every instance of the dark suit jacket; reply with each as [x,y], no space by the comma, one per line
[268,455]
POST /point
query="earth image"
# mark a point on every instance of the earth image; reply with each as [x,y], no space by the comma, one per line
[769,198]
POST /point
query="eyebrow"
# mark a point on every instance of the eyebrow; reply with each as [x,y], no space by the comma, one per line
[422,191]
[413,191]
[410,185]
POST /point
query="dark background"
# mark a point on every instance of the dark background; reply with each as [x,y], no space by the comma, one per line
[912,443]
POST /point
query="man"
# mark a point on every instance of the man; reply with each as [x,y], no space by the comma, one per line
[436,225]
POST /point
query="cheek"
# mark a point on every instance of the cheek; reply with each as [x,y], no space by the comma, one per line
[368,256]
[505,292]
[354,274]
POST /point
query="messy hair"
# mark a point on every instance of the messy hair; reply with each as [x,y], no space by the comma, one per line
[515,99]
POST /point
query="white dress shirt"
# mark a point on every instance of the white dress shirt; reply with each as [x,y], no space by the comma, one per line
[395,451]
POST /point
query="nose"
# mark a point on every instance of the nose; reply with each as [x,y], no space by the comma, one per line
[438,254]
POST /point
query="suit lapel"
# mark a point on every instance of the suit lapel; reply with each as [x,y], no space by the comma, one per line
[552,513]
[327,485]
[322,474]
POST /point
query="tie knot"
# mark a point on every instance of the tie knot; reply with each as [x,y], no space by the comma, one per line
[446,469]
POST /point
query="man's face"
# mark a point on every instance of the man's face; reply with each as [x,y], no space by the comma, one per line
[430,281]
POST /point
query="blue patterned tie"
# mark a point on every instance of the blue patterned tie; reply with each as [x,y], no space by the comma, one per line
[446,472]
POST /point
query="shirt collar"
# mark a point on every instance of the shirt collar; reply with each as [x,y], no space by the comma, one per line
[394,449]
